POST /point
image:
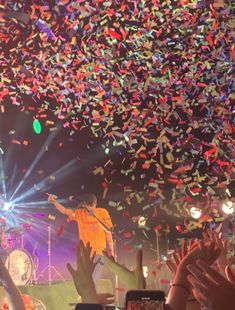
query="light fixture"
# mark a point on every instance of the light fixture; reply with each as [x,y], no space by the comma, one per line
[228,207]
[195,212]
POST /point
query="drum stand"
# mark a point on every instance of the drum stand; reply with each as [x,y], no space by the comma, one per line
[50,268]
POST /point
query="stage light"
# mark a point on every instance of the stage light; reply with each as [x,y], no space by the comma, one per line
[228,207]
[6,206]
[37,127]
[195,212]
[141,221]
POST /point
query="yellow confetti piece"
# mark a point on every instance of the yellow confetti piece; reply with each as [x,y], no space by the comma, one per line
[98,170]
[50,122]
[51,217]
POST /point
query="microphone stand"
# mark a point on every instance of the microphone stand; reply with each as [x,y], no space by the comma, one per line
[49,268]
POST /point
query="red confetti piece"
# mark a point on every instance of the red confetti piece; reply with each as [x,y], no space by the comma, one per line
[120,289]
[60,231]
[114,34]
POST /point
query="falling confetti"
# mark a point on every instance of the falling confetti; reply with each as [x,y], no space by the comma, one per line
[152,79]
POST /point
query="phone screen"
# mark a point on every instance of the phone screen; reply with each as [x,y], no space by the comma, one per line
[145,300]
[145,305]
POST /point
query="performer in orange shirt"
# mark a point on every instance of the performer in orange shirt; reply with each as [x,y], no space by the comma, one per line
[94,226]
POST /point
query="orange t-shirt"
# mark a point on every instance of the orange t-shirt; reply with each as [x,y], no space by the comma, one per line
[89,228]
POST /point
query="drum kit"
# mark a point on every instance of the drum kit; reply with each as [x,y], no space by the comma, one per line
[20,264]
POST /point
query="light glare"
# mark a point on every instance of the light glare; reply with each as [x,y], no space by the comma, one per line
[195,212]
[228,207]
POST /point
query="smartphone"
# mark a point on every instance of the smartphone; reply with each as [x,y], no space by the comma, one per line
[145,300]
[89,307]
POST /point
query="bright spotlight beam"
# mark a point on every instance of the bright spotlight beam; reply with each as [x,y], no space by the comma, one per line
[40,203]
[12,178]
[46,184]
[2,176]
[48,141]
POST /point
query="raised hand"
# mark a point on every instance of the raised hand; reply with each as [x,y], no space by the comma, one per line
[51,198]
[82,276]
[212,235]
[210,288]
[208,252]
[131,279]
[180,253]
[180,290]
[222,261]
[13,295]
[173,264]
[5,277]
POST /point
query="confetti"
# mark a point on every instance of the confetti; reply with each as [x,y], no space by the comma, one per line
[60,231]
[152,82]
[51,217]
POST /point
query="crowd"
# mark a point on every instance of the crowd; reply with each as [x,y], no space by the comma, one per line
[202,277]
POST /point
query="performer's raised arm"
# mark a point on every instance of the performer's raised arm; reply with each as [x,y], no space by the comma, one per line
[59,206]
